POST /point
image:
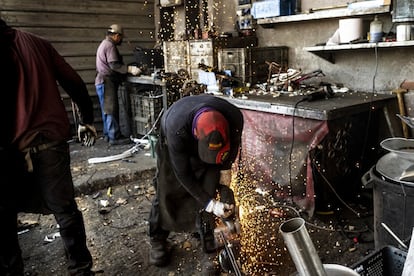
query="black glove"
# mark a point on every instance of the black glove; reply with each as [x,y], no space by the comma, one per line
[87,134]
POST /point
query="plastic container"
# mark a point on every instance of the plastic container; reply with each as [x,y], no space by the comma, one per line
[388,261]
[350,29]
[375,30]
[145,109]
[403,32]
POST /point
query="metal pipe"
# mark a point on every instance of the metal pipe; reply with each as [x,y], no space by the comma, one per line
[401,106]
[393,235]
[301,248]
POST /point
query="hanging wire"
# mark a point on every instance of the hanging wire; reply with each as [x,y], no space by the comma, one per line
[293,139]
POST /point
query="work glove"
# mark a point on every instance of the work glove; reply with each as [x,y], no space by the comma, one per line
[87,134]
[220,209]
[134,70]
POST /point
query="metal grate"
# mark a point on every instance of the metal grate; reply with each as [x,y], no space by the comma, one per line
[388,261]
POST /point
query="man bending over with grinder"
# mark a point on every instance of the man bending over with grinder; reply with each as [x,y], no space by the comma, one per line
[199,138]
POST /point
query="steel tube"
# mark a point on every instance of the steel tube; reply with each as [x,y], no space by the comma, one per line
[301,248]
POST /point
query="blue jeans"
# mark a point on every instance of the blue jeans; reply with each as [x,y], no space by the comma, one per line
[110,124]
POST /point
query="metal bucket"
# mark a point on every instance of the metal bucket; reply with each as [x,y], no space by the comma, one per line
[392,181]
[393,201]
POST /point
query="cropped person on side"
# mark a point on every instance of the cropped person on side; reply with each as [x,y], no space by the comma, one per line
[111,72]
[34,152]
[199,139]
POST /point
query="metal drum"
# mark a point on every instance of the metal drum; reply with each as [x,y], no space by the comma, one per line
[393,195]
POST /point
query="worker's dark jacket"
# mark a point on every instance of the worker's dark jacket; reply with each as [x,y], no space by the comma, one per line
[192,183]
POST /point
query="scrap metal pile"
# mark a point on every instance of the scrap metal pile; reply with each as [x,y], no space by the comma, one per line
[180,85]
[289,81]
[280,81]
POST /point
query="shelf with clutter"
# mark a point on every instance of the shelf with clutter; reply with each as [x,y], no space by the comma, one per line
[351,36]
[339,11]
[328,52]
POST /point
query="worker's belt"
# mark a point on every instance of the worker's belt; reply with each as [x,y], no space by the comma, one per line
[36,149]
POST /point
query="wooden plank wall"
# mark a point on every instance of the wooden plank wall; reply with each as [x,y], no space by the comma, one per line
[77,27]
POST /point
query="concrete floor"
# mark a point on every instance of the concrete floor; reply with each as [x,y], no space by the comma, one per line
[119,243]
[129,163]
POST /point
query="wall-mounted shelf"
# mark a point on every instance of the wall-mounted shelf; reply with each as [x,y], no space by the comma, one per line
[324,14]
[328,52]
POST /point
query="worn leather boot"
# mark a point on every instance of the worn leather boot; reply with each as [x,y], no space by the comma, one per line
[159,252]
[210,265]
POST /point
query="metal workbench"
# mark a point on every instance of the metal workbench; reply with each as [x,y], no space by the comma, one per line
[303,145]
[340,105]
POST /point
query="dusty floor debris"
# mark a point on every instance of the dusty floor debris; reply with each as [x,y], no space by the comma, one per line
[119,244]
[116,223]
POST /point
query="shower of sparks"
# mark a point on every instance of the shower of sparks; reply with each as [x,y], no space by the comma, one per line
[264,204]
[262,247]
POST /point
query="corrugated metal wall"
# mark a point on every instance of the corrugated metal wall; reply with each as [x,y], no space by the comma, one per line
[77,27]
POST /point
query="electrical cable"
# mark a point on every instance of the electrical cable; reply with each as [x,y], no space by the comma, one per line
[376,67]
[293,140]
[337,195]
[392,26]
[317,226]
[321,174]
[154,124]
[365,141]
[128,152]
[333,189]
[297,212]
